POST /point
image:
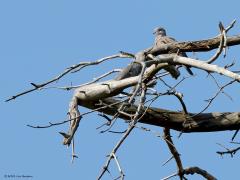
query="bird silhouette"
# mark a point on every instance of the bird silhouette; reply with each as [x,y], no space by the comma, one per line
[161,38]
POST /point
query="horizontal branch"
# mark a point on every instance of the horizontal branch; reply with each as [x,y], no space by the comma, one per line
[110,88]
[88,96]
[200,64]
[205,122]
[194,46]
[188,46]
[113,87]
[72,69]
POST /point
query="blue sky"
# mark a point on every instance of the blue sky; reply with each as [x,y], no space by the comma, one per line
[39,39]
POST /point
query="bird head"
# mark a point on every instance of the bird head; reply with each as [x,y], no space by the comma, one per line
[159,31]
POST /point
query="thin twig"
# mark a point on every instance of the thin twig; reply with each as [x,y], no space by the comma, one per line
[167,161]
[129,130]
[231,25]
[91,82]
[73,151]
[235,134]
[173,151]
[131,98]
[170,176]
[114,118]
[218,85]
[212,99]
[121,55]
[228,151]
[221,45]
[69,120]
[119,167]
[66,71]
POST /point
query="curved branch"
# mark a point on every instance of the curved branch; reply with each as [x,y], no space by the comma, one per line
[72,69]
[221,45]
[193,170]
[197,64]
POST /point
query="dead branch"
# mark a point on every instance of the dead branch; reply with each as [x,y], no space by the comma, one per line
[189,46]
[174,152]
[205,122]
[126,134]
[91,82]
[181,172]
[197,170]
[113,87]
[193,170]
[195,46]
[103,106]
[77,67]
[197,64]
[221,45]
[210,100]
[220,87]
[119,167]
[98,96]
[231,152]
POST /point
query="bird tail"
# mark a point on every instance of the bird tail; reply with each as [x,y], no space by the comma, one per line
[189,70]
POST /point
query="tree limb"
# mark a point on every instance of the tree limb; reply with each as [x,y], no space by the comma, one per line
[197,170]
[187,46]
[205,122]
[194,46]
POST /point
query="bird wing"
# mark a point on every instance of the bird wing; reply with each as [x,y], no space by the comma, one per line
[160,40]
[167,39]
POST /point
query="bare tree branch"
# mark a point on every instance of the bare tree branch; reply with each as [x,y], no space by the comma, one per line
[112,87]
[204,122]
[174,152]
[195,46]
[193,170]
[215,96]
[67,71]
[134,106]
[228,151]
[197,170]
[50,124]
[191,46]
[126,134]
[197,64]
[221,45]
[91,82]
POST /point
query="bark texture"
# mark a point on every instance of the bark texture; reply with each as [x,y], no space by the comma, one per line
[204,122]
[194,46]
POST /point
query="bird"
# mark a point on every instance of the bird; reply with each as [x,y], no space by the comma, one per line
[135,67]
[132,69]
[161,38]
